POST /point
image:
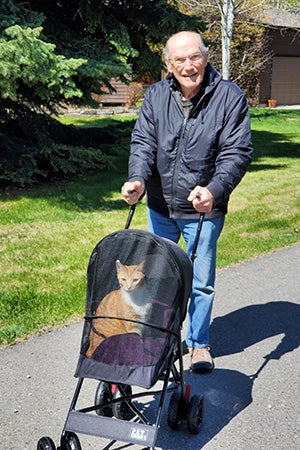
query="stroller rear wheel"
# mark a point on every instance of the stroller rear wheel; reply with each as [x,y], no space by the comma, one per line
[195,413]
[175,413]
[103,396]
[121,409]
[46,443]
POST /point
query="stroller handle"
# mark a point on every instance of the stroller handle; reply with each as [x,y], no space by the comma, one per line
[130,216]
[199,228]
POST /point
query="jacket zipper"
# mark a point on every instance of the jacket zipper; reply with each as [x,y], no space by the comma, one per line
[178,157]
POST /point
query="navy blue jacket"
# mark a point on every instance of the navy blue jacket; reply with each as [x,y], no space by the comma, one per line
[212,147]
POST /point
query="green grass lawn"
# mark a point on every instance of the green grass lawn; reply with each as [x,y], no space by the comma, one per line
[264,212]
[47,233]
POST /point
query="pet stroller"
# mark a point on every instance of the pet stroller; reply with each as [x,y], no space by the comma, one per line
[139,360]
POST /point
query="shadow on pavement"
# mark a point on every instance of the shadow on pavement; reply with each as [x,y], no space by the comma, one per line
[244,327]
[228,392]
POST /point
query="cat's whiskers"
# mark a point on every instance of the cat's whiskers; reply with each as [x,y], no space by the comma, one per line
[137,299]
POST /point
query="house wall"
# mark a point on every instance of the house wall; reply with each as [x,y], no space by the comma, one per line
[120,97]
[280,77]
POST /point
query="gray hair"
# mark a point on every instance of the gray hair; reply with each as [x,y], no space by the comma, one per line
[202,47]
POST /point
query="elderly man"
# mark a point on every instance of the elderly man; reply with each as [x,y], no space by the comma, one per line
[190,147]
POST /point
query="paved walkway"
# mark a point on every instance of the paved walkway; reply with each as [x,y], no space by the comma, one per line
[252,396]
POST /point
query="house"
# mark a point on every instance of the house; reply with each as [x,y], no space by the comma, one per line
[121,95]
[280,76]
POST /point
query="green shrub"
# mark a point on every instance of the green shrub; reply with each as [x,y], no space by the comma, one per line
[38,148]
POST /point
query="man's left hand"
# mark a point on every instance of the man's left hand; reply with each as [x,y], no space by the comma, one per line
[201,199]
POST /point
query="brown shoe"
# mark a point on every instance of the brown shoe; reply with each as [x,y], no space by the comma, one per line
[201,360]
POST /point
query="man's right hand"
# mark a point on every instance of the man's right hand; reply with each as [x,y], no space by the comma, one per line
[132,191]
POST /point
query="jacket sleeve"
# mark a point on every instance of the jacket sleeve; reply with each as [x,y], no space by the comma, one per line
[234,147]
[143,147]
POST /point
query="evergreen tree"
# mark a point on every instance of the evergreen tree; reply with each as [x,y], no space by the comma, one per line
[60,52]
[53,52]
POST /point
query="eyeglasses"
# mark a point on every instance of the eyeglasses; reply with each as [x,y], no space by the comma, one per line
[180,62]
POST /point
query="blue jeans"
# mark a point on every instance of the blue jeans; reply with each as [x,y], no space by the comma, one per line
[204,271]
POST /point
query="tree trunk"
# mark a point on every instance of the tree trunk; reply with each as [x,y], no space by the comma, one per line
[227,18]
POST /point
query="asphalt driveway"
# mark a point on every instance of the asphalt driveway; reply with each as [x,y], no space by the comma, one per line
[251,398]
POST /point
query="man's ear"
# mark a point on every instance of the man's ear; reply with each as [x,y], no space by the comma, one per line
[169,66]
[206,62]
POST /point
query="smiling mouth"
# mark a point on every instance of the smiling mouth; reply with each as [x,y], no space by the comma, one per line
[190,76]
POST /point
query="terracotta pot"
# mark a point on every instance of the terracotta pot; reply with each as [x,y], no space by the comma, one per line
[271,103]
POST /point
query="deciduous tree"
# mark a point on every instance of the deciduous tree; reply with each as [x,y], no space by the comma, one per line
[235,37]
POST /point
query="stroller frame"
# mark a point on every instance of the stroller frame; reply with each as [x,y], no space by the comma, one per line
[134,432]
[114,399]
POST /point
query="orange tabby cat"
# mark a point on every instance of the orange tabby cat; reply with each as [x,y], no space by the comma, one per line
[131,301]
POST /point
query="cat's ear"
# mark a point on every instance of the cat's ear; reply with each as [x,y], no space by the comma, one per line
[142,266]
[119,265]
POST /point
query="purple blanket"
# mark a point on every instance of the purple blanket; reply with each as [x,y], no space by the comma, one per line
[130,350]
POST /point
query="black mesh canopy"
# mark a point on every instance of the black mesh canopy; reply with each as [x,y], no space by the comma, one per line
[136,358]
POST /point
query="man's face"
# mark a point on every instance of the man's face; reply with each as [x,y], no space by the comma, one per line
[186,63]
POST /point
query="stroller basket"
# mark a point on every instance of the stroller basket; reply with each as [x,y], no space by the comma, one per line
[121,347]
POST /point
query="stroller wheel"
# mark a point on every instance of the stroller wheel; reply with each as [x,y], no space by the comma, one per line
[45,443]
[121,409]
[195,413]
[70,441]
[175,413]
[102,397]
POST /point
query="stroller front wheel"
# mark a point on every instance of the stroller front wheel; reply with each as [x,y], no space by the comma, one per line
[70,441]
[46,443]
